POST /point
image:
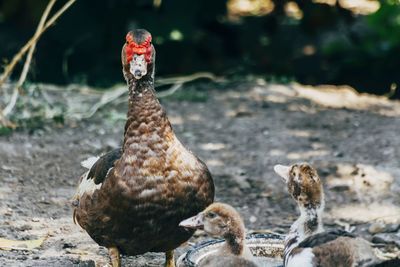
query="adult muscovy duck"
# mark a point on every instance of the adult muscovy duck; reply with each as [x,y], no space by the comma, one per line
[132,199]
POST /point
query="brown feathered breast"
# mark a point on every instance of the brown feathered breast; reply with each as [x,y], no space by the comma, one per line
[153,185]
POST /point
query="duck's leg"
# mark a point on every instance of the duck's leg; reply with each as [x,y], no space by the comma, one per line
[169,259]
[114,256]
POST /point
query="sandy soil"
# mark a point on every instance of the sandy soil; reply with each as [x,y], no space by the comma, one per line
[241,131]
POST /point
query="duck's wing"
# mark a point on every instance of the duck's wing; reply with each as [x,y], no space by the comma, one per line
[98,172]
[99,168]
[324,237]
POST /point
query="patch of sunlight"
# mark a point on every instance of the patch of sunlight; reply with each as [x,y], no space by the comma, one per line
[309,50]
[307,154]
[385,212]
[347,97]
[8,244]
[212,146]
[176,35]
[282,89]
[302,108]
[195,117]
[300,133]
[276,152]
[265,91]
[214,163]
[368,182]
[61,230]
[293,10]
[276,99]
[245,8]
[362,7]
[328,2]
[157,3]
[176,120]
[261,81]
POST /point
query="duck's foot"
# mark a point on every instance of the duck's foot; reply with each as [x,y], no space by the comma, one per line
[169,259]
[114,256]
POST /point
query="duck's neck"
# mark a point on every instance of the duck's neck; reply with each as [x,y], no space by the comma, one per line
[309,223]
[147,124]
[235,240]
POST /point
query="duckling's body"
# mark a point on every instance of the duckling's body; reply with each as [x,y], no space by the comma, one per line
[223,221]
[307,244]
[227,260]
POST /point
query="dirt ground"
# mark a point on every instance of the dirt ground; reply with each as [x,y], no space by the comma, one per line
[240,131]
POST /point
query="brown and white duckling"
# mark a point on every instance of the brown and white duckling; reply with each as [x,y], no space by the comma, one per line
[307,244]
[223,221]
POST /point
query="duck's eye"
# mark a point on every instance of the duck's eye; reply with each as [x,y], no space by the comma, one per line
[211,215]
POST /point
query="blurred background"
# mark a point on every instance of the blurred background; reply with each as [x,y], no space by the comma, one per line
[246,84]
[353,42]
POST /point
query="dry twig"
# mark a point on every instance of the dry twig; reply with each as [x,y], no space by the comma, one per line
[28,60]
[9,68]
[117,91]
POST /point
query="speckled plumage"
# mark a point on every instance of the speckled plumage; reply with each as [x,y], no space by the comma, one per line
[223,221]
[307,244]
[154,184]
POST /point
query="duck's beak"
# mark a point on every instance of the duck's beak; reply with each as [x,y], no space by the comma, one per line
[138,66]
[282,171]
[195,222]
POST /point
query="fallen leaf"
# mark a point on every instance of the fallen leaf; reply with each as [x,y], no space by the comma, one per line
[7,244]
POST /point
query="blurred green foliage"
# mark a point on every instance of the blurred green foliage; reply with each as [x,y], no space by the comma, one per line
[317,43]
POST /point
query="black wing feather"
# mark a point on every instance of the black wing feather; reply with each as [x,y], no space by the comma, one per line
[99,170]
[325,237]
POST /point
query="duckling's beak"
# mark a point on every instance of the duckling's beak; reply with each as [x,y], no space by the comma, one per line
[195,222]
[282,171]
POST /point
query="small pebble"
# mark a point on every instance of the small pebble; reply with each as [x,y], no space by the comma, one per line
[253,219]
[376,228]
[380,227]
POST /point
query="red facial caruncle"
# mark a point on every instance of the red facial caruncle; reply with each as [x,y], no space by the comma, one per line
[132,48]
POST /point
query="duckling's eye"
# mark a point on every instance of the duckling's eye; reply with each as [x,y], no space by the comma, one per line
[211,215]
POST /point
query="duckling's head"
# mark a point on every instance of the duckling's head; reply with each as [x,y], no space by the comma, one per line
[303,183]
[218,220]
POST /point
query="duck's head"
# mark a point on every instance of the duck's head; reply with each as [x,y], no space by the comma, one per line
[218,220]
[138,54]
[303,184]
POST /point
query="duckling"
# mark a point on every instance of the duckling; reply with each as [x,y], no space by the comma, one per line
[307,244]
[223,221]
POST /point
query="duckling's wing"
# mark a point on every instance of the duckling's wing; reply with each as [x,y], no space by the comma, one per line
[324,237]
